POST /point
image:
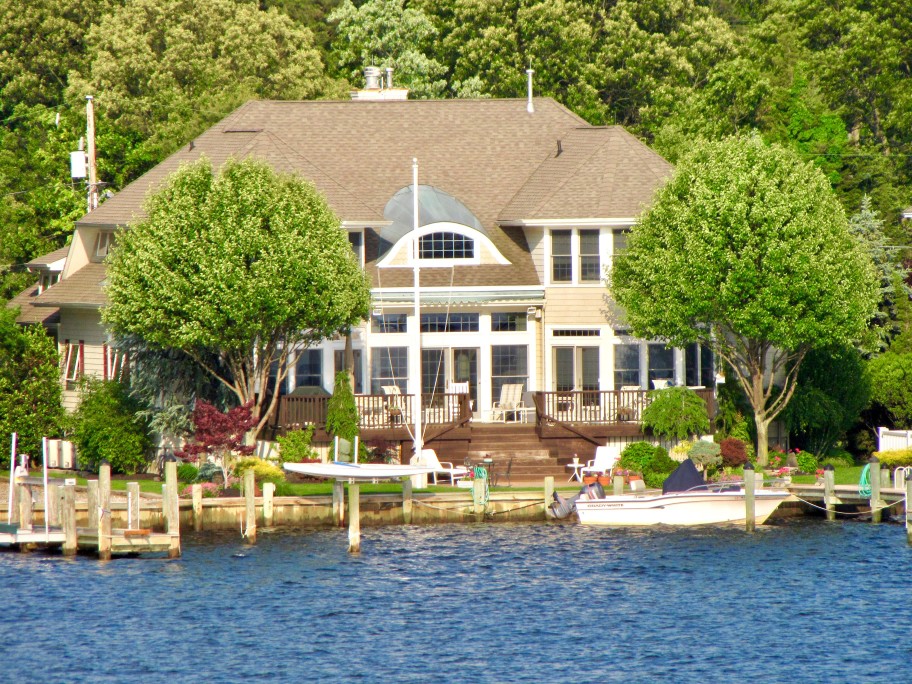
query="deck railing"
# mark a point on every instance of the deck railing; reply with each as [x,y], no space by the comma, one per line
[602,407]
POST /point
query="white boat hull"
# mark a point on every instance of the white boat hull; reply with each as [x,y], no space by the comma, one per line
[678,508]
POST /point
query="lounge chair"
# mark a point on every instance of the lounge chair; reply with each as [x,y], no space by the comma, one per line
[605,458]
[510,403]
[454,472]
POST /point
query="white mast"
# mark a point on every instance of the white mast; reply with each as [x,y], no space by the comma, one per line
[415,359]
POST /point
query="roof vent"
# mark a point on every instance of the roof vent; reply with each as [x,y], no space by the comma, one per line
[530,107]
[371,78]
[375,89]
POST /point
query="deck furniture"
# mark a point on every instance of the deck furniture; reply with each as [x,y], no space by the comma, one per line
[605,458]
[511,403]
[454,472]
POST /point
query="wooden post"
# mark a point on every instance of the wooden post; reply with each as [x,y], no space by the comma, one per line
[338,491]
[25,506]
[354,517]
[92,503]
[478,502]
[250,530]
[68,520]
[133,506]
[103,522]
[172,507]
[197,494]
[549,493]
[52,514]
[13,512]
[829,492]
[618,485]
[909,510]
[885,478]
[268,506]
[750,516]
[874,477]
[407,500]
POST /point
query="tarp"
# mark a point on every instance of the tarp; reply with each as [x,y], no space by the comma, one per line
[684,477]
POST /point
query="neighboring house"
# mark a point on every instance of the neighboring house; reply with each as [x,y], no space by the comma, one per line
[520,213]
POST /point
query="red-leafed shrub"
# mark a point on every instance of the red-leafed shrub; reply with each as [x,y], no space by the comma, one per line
[734,452]
[219,436]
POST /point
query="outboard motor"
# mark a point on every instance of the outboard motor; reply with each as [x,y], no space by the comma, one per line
[562,508]
[592,491]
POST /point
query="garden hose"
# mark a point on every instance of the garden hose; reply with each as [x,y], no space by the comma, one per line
[864,483]
[481,473]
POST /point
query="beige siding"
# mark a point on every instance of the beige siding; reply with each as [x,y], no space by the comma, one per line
[579,305]
[78,256]
[82,325]
[536,239]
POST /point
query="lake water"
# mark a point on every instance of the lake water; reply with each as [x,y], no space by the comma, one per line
[798,601]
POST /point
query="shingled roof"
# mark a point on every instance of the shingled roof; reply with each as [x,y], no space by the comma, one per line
[491,154]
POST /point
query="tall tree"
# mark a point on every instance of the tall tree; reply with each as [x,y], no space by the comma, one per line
[747,250]
[246,264]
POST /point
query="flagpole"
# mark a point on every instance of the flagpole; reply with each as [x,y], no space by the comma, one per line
[415,360]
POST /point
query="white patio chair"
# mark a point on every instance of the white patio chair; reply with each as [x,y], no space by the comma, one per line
[429,458]
[605,458]
[510,402]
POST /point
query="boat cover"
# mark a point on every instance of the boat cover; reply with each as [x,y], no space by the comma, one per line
[685,477]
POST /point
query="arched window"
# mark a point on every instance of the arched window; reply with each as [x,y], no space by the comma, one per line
[446,246]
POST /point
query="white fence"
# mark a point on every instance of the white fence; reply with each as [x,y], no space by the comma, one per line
[893,440]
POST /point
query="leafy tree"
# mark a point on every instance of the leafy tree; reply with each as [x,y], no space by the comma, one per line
[747,251]
[891,386]
[244,266]
[107,428]
[385,33]
[219,436]
[29,385]
[341,411]
[163,71]
[676,412]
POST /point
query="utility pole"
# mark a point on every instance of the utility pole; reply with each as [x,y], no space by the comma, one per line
[90,136]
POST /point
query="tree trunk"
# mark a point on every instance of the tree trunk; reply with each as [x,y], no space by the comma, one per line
[762,439]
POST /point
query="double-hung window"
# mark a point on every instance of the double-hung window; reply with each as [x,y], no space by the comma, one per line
[576,256]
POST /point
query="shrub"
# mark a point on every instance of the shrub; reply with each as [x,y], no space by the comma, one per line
[896,458]
[295,447]
[680,450]
[838,459]
[676,412]
[207,471]
[637,456]
[187,472]
[807,462]
[734,452]
[263,471]
[341,410]
[106,428]
[210,490]
[706,454]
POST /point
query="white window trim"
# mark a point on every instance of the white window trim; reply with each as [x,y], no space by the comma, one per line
[406,242]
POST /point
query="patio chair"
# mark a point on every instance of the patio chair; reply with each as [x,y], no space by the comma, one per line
[510,403]
[495,476]
[455,472]
[605,458]
[627,409]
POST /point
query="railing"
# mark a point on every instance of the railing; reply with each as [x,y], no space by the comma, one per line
[602,407]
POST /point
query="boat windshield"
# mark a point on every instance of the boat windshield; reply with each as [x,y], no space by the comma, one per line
[685,477]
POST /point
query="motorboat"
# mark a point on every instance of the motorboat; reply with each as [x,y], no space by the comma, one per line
[686,499]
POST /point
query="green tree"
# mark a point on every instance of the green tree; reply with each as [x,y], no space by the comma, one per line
[676,412]
[891,386]
[341,411]
[746,250]
[107,428]
[162,71]
[246,265]
[29,385]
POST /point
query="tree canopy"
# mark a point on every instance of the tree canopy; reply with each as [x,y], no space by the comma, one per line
[244,264]
[747,250]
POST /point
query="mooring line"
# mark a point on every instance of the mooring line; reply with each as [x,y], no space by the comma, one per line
[824,508]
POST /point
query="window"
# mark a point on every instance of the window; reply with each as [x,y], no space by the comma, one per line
[115,364]
[661,362]
[619,241]
[103,243]
[626,365]
[273,378]
[309,368]
[339,363]
[576,368]
[73,362]
[389,366]
[561,256]
[581,332]
[508,322]
[509,366]
[453,322]
[698,366]
[389,323]
[45,280]
[590,266]
[445,246]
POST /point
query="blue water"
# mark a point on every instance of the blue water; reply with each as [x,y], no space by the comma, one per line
[799,601]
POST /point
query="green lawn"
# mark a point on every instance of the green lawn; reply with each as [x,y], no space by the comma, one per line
[843,476]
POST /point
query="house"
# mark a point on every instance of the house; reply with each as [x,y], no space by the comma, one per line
[522,205]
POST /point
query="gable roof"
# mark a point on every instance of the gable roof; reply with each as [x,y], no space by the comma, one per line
[29,313]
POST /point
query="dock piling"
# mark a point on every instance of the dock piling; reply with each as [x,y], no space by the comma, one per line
[68,519]
[829,492]
[909,511]
[268,507]
[750,520]
[876,502]
[172,509]
[197,493]
[618,483]
[103,514]
[407,500]
[549,492]
[338,494]
[250,530]
[133,505]
[354,517]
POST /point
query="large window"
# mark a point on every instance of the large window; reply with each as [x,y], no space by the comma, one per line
[389,366]
[661,362]
[309,368]
[576,368]
[626,365]
[452,322]
[698,366]
[389,323]
[445,246]
[590,265]
[509,366]
[561,256]
[508,322]
[339,363]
